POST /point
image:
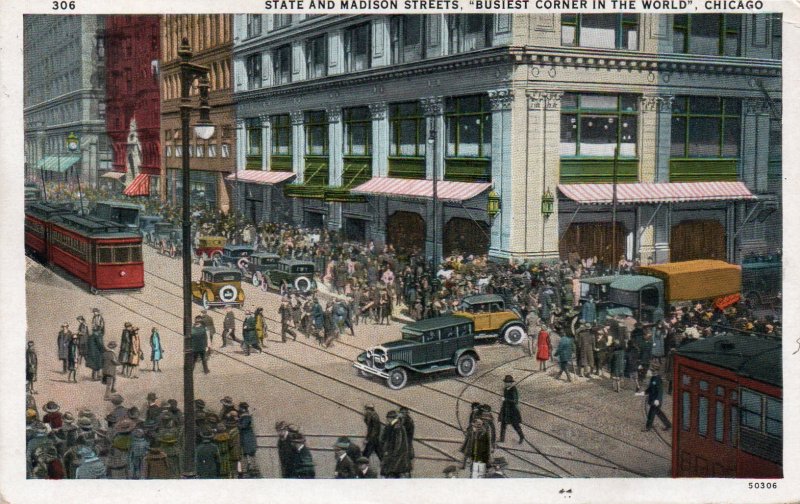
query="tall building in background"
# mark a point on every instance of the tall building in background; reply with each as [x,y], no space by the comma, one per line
[346,121]
[211,160]
[63,94]
[133,104]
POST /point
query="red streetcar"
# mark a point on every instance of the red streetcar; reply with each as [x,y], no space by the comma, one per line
[38,222]
[104,254]
[728,408]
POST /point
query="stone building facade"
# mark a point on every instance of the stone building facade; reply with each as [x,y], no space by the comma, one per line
[210,38]
[366,111]
[63,94]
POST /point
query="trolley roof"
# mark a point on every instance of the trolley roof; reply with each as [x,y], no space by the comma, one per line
[47,210]
[95,227]
[749,356]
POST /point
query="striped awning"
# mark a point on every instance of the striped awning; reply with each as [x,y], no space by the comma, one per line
[58,164]
[116,175]
[672,192]
[421,189]
[261,177]
[139,187]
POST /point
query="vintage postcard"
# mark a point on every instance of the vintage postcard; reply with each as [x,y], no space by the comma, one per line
[538,241]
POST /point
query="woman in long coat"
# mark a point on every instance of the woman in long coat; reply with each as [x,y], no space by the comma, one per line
[73,352]
[124,354]
[136,351]
[247,438]
[544,349]
[260,329]
[156,352]
[64,337]
[94,355]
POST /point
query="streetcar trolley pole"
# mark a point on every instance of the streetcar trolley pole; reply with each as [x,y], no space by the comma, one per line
[204,130]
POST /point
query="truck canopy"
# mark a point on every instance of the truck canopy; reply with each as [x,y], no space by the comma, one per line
[696,280]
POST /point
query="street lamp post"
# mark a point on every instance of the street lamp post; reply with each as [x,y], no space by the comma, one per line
[434,221]
[204,129]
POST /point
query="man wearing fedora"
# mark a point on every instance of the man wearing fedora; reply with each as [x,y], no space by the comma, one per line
[363,470]
[120,449]
[152,409]
[53,416]
[199,343]
[98,322]
[302,464]
[83,338]
[31,367]
[284,447]
[345,467]
[64,337]
[91,466]
[247,436]
[509,410]
[395,461]
[110,364]
[206,457]
[372,441]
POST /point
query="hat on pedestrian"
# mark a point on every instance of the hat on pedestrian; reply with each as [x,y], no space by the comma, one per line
[296,437]
[128,324]
[369,406]
[199,404]
[133,413]
[476,405]
[125,426]
[30,413]
[391,414]
[227,401]
[206,434]
[212,418]
[51,407]
[86,452]
[343,445]
[508,379]
[64,325]
[112,344]
[203,312]
[117,399]
[362,461]
[95,310]
[485,408]
[80,317]
[450,469]
[138,433]
[172,402]
[30,343]
[85,423]
[292,428]
[68,418]
[243,406]
[279,426]
[151,396]
[499,462]
[165,415]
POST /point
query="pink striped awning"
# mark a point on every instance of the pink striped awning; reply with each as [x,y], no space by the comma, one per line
[672,192]
[261,177]
[139,187]
[421,189]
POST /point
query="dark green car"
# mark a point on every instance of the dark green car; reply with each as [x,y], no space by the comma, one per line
[296,274]
[428,346]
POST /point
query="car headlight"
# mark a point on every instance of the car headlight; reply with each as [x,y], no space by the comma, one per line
[381,358]
[369,354]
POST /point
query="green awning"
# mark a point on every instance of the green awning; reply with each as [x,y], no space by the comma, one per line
[58,164]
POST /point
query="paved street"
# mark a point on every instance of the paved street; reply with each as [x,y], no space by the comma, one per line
[579,429]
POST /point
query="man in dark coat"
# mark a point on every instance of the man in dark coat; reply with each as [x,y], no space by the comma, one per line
[94,353]
[394,445]
[564,352]
[98,323]
[73,356]
[284,447]
[585,344]
[509,410]
[31,367]
[125,345]
[206,457]
[302,466]
[208,322]
[372,441]
[363,470]
[83,338]
[408,425]
[247,437]
[64,337]
[345,467]
[655,396]
[477,446]
[249,333]
[228,326]
[285,312]
[110,364]
[199,343]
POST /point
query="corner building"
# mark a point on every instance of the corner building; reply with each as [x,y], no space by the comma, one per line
[345,121]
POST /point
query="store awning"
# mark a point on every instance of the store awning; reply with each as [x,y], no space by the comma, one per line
[58,164]
[643,193]
[261,177]
[139,187]
[421,189]
[116,175]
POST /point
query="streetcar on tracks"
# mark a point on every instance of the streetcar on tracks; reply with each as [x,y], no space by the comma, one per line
[106,255]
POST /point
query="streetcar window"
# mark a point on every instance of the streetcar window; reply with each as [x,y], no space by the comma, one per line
[721,391]
[751,410]
[686,410]
[126,216]
[122,254]
[719,422]
[774,417]
[703,385]
[734,425]
[136,254]
[686,379]
[702,416]
[104,254]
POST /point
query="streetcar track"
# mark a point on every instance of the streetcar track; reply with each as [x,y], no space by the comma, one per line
[468,384]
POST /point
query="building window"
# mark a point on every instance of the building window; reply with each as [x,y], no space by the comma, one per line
[776,20]
[253,65]
[281,21]
[282,64]
[686,410]
[714,34]
[706,127]
[470,32]
[357,47]
[407,129]
[357,132]
[408,38]
[253,126]
[226,150]
[607,31]
[317,57]
[200,151]
[596,125]
[316,126]
[734,426]
[212,150]
[253,25]
[178,151]
[281,135]
[168,151]
[469,127]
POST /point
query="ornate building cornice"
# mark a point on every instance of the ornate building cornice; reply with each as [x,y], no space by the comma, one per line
[501,99]
[378,110]
[544,100]
[432,105]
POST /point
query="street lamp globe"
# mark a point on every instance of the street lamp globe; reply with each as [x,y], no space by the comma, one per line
[204,130]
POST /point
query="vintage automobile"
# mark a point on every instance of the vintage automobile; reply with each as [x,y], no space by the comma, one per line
[209,247]
[235,256]
[218,286]
[297,274]
[167,238]
[428,346]
[259,264]
[146,225]
[492,318]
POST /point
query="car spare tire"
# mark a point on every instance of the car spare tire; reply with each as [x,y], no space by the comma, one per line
[302,284]
[228,293]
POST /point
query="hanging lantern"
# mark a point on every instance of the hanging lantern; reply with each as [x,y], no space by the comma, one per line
[493,204]
[547,203]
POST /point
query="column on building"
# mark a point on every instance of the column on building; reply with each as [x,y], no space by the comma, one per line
[534,235]
[433,108]
[335,163]
[380,139]
[298,160]
[754,169]
[335,52]
[266,150]
[241,151]
[502,182]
